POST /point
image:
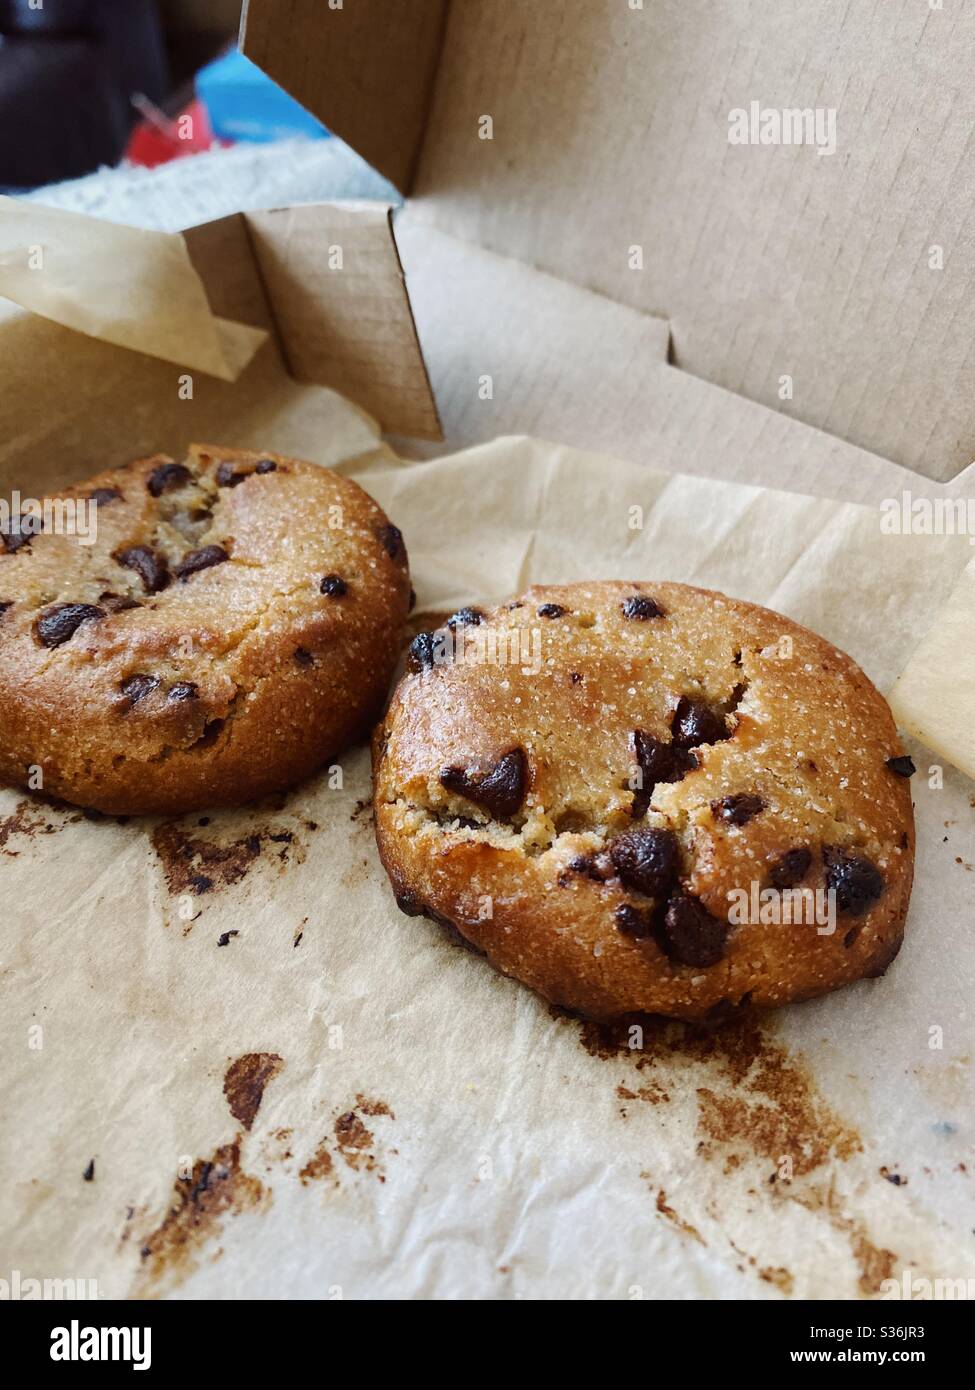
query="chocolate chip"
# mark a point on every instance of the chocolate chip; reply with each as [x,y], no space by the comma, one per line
[658,762]
[903,766]
[575,677]
[500,790]
[647,860]
[631,921]
[185,690]
[641,608]
[228,476]
[426,650]
[116,603]
[222,940]
[166,477]
[21,532]
[137,687]
[856,882]
[738,809]
[148,564]
[333,586]
[791,868]
[551,610]
[103,496]
[695,723]
[304,657]
[690,935]
[265,466]
[465,617]
[391,539]
[89,1173]
[59,624]
[196,560]
[598,867]
[409,904]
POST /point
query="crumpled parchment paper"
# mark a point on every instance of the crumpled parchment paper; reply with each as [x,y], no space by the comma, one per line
[282,1087]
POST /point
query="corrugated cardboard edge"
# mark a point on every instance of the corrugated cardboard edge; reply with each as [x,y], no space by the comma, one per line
[336,290]
[375,92]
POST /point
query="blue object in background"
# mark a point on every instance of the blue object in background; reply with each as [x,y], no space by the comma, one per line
[244,104]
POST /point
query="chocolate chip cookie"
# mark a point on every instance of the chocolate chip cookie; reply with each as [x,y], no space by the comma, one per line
[647,798]
[235,623]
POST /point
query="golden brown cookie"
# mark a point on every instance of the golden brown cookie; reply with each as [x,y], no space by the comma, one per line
[647,798]
[235,623]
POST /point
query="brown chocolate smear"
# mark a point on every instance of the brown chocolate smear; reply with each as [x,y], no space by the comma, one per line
[186,858]
[217,1188]
[244,1083]
[319,1166]
[354,1140]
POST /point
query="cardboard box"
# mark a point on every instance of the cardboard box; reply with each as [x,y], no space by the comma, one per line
[590,139]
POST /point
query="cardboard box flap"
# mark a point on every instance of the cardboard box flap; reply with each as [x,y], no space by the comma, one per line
[510,348]
[836,288]
[365,68]
[337,294]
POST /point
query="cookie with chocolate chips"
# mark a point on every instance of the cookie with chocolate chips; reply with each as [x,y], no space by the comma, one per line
[637,798]
[234,624]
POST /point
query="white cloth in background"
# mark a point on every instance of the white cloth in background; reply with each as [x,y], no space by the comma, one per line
[222,181]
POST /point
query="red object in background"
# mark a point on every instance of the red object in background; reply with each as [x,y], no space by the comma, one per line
[157,138]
